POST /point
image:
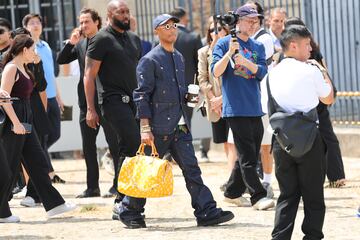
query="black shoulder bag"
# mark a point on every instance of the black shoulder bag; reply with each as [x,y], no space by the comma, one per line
[295,132]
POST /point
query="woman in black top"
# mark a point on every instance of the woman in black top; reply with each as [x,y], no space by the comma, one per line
[38,102]
[20,143]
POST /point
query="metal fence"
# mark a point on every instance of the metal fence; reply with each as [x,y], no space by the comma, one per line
[335,25]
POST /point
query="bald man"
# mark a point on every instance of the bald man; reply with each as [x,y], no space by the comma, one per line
[111,61]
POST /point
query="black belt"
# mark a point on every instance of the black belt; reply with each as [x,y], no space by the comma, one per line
[124,98]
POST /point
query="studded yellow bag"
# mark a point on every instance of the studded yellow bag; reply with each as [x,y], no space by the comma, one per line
[146,176]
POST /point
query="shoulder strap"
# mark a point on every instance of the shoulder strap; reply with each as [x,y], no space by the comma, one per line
[271,107]
[262,32]
[17,74]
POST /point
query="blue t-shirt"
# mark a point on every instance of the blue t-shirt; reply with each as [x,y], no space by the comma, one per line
[44,51]
[240,87]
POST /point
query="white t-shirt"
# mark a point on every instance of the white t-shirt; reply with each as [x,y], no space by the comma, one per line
[267,41]
[297,86]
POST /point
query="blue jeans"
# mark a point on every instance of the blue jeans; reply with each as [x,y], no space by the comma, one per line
[179,144]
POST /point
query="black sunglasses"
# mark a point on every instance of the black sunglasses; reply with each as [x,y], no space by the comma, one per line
[211,30]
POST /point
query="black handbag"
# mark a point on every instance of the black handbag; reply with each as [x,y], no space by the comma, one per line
[295,132]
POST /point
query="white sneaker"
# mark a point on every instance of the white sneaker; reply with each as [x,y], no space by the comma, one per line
[264,204]
[63,208]
[11,219]
[29,202]
[21,194]
[240,201]
[108,163]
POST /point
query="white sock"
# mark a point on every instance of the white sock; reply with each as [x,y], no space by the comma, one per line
[267,178]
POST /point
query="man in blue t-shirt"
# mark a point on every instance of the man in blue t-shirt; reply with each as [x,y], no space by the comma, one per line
[241,63]
[33,23]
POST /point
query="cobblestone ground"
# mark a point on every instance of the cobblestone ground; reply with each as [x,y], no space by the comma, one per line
[171,217]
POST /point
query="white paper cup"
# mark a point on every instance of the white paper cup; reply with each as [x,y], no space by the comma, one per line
[193,93]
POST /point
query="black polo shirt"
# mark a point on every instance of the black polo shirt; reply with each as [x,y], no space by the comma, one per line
[119,54]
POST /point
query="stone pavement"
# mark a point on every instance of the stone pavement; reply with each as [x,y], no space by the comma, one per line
[171,217]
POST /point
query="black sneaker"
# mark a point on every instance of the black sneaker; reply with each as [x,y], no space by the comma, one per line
[110,193]
[223,216]
[134,224]
[89,193]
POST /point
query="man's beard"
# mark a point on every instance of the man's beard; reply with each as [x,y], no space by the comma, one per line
[121,25]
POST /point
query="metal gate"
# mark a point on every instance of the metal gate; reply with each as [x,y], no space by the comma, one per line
[336,26]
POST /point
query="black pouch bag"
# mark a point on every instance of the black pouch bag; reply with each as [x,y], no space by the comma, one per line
[295,132]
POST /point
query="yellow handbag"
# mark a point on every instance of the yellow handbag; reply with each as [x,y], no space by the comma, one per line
[146,176]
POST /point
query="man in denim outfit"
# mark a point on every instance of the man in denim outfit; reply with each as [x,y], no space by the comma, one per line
[160,101]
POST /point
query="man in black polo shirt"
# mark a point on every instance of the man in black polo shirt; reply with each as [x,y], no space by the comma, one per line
[112,55]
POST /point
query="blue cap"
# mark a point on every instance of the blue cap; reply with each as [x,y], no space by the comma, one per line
[247,11]
[162,19]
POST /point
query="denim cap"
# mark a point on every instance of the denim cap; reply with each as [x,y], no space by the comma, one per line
[162,19]
[247,11]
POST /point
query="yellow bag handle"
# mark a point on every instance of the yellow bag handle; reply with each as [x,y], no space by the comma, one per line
[141,151]
[154,152]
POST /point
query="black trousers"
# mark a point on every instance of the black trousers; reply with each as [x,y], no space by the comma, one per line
[5,176]
[53,114]
[88,136]
[30,190]
[26,148]
[121,117]
[300,177]
[335,167]
[248,133]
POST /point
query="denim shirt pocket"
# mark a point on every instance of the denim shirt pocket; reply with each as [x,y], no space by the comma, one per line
[161,116]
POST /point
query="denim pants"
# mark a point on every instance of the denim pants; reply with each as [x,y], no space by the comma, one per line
[179,144]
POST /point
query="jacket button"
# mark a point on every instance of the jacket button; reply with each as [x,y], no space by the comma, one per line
[164,92]
[169,119]
[173,79]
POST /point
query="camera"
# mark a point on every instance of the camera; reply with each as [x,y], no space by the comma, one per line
[229,19]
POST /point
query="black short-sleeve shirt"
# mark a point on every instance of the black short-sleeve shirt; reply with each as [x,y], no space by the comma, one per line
[119,54]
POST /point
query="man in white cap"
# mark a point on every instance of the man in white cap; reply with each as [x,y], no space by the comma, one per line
[160,102]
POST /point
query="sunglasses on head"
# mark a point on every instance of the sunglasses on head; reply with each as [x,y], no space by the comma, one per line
[168,26]
[211,30]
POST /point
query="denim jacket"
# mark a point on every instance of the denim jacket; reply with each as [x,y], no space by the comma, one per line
[160,95]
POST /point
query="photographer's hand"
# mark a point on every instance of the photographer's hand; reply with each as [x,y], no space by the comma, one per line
[233,46]
[221,65]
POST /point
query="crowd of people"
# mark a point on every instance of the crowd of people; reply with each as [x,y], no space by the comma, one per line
[140,95]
